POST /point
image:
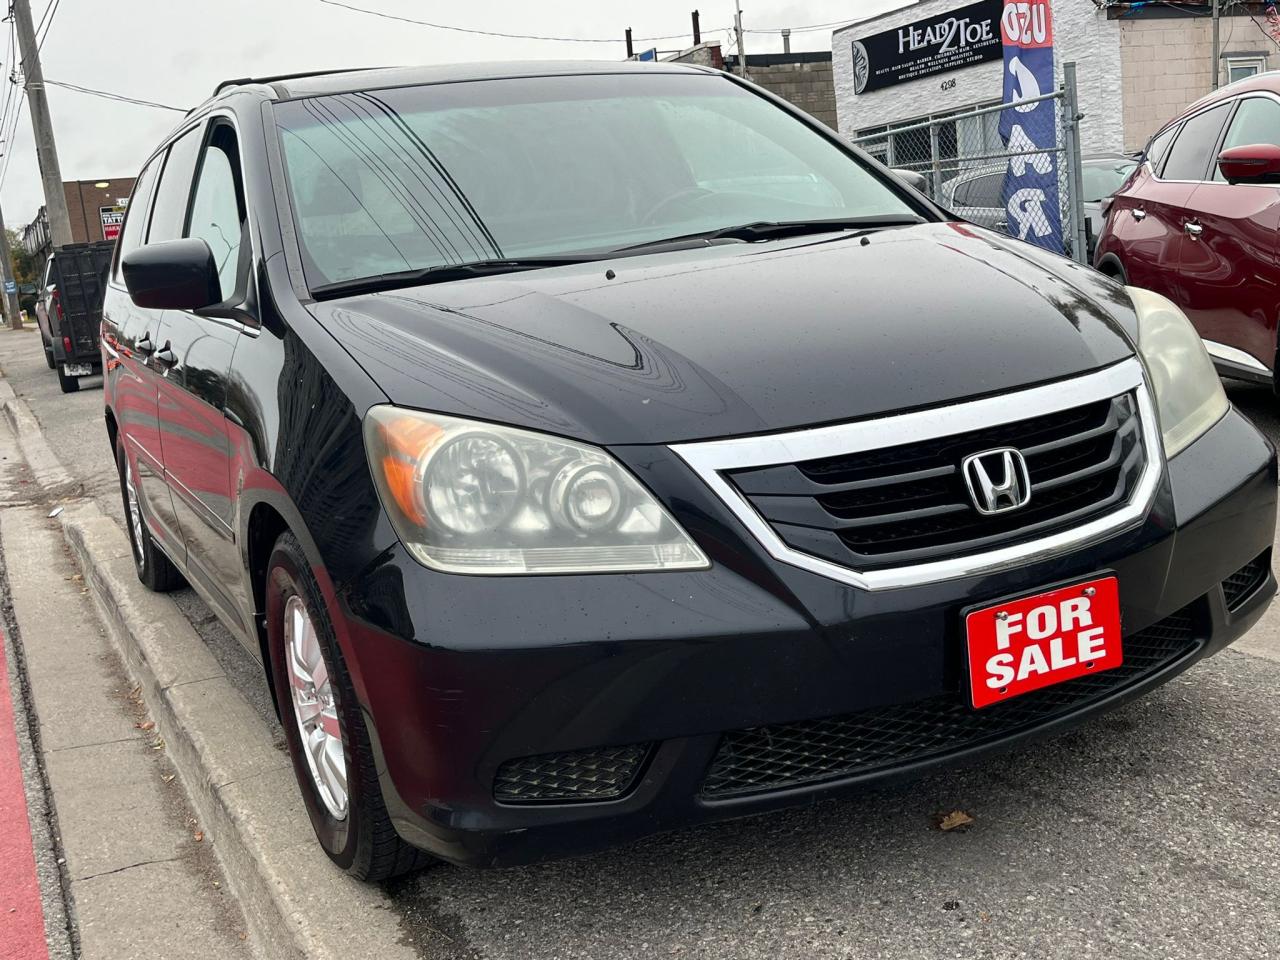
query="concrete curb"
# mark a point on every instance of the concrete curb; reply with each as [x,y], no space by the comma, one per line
[47,469]
[241,786]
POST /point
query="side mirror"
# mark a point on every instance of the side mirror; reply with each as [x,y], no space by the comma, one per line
[915,181]
[172,275]
[1253,163]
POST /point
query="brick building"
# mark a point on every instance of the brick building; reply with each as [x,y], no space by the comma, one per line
[1138,65]
[804,79]
[94,207]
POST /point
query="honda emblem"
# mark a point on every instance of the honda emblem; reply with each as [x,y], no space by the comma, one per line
[997,480]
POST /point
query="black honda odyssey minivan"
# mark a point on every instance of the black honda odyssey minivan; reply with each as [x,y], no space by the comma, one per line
[590,449]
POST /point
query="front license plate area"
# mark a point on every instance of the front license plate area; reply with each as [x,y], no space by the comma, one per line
[1021,645]
[77,369]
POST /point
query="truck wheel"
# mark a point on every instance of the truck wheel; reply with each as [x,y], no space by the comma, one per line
[68,384]
[154,569]
[48,357]
[332,759]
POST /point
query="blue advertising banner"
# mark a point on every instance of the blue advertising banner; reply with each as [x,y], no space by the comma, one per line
[1030,192]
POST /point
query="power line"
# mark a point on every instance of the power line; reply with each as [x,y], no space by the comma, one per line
[113,96]
[46,22]
[495,33]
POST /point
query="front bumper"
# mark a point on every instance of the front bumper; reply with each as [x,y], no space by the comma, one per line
[459,675]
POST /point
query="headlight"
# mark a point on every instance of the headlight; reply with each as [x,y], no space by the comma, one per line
[471,497]
[1189,395]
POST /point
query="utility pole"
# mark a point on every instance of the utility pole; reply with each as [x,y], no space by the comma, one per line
[55,200]
[742,50]
[786,39]
[631,53]
[6,275]
[1216,46]
[697,29]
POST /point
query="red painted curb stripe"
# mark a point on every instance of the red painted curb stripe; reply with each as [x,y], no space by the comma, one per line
[21,915]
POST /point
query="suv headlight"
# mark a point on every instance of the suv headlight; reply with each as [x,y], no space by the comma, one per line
[1189,395]
[472,497]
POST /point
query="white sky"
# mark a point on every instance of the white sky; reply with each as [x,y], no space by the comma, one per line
[176,51]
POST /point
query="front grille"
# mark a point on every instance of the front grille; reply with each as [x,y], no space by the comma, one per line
[794,754]
[583,775]
[904,504]
[1240,585]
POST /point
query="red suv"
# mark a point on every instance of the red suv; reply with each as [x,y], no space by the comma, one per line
[1197,222]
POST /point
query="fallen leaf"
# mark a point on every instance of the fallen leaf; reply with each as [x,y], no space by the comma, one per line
[55,511]
[198,836]
[168,778]
[955,820]
[146,725]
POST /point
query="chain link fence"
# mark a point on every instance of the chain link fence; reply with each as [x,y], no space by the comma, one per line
[965,162]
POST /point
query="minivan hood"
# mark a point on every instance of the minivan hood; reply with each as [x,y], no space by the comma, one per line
[739,339]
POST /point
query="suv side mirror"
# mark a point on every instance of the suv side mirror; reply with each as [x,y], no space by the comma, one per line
[172,275]
[912,179]
[1252,163]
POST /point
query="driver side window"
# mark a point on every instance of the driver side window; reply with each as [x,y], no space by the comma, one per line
[217,208]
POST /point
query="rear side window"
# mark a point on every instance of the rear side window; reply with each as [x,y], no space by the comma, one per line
[217,208]
[1256,121]
[1192,152]
[170,213]
[135,221]
[985,191]
[1158,147]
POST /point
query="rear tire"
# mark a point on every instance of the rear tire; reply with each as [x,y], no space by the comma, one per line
[68,384]
[48,357]
[317,701]
[154,569]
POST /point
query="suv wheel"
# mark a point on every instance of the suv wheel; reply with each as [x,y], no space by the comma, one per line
[48,354]
[332,759]
[68,384]
[154,569]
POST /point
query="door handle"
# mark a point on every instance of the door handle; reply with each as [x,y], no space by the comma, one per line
[1138,213]
[167,356]
[144,344]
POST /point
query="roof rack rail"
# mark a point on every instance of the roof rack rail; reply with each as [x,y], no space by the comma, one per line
[241,81]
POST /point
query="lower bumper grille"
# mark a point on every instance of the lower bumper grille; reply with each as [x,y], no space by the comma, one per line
[1240,585]
[583,775]
[794,754]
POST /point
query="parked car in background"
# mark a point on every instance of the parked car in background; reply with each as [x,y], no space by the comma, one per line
[1101,176]
[75,283]
[44,303]
[975,194]
[1198,222]
[570,488]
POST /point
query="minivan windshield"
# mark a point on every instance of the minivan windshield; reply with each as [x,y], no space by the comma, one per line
[385,182]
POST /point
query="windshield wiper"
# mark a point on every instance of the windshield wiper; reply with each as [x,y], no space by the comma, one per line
[443,273]
[779,229]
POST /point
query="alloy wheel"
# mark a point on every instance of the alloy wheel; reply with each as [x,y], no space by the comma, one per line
[314,708]
[135,514]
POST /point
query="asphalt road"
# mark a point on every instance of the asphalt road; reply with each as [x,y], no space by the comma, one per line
[1151,832]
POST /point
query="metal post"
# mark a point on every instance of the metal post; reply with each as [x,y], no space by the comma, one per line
[697,29]
[935,154]
[631,54]
[46,151]
[6,276]
[1071,117]
[742,50]
[1217,47]
[786,39]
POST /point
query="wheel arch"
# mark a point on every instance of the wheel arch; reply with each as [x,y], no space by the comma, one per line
[1109,264]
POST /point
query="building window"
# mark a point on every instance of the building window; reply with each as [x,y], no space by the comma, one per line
[1238,68]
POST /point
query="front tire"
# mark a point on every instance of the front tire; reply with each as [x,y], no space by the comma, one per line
[328,744]
[154,569]
[68,384]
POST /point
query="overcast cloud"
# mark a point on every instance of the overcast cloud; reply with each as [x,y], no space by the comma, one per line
[176,51]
